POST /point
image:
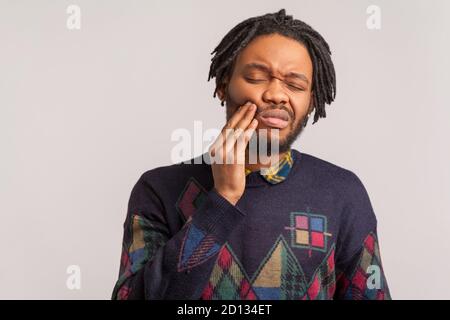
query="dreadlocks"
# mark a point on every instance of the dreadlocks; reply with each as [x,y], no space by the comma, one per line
[324,78]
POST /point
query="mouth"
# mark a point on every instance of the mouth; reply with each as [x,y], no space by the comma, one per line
[275,118]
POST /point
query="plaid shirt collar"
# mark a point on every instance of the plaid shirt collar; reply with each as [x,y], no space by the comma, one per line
[279,171]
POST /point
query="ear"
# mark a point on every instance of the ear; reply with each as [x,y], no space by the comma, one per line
[222,91]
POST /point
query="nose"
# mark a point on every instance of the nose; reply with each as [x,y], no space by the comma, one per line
[275,93]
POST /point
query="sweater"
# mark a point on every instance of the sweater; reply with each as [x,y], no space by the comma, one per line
[305,229]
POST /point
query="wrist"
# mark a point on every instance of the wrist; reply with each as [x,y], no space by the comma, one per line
[230,197]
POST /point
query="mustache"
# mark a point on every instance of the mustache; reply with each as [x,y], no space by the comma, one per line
[275,107]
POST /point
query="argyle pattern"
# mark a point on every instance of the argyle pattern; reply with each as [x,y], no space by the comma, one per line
[354,285]
[279,277]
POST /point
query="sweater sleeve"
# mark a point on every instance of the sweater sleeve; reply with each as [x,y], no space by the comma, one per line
[156,264]
[359,271]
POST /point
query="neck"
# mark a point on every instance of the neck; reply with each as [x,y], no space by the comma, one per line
[262,162]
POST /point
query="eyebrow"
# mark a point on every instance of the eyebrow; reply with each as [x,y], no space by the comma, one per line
[266,69]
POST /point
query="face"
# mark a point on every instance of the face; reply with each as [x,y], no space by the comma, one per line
[275,73]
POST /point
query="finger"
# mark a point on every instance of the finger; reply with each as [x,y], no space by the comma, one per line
[229,133]
[232,135]
[248,133]
[215,150]
[231,140]
[243,140]
[235,144]
[247,118]
[240,112]
[218,149]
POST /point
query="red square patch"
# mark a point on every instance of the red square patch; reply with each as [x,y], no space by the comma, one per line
[317,239]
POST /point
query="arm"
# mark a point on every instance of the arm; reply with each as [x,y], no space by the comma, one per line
[359,271]
[157,265]
[362,277]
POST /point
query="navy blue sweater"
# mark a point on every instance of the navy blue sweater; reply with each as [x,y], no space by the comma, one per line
[310,234]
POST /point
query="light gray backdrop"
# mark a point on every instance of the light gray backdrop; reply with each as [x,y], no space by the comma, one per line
[83,113]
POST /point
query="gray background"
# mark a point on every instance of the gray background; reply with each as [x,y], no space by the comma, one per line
[84,113]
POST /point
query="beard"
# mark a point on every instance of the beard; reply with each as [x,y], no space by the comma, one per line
[263,143]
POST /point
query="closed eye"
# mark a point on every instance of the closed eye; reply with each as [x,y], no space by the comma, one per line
[251,80]
[290,85]
[295,87]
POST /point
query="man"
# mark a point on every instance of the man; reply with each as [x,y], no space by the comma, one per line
[302,228]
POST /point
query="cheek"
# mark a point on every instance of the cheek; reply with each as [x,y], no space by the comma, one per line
[300,105]
[239,92]
[234,91]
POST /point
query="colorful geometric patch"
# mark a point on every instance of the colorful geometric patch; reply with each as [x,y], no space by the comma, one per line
[323,283]
[228,280]
[278,277]
[354,286]
[197,247]
[308,231]
[142,239]
[123,293]
[190,199]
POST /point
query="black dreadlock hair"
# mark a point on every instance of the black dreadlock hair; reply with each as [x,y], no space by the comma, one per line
[324,77]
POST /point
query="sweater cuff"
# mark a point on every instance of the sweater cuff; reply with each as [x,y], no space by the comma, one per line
[217,216]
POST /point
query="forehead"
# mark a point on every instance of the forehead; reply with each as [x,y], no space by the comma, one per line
[280,53]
